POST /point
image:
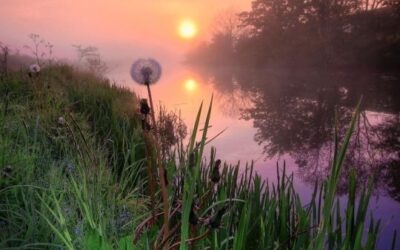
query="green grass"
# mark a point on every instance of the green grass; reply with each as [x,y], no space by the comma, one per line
[78,183]
[82,183]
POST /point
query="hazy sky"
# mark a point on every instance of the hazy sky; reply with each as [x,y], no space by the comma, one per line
[122,29]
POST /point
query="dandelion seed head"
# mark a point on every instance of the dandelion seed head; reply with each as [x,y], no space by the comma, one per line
[146,71]
[61,121]
[34,68]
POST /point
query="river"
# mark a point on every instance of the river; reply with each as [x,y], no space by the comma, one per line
[276,116]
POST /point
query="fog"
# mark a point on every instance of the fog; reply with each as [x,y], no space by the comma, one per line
[122,30]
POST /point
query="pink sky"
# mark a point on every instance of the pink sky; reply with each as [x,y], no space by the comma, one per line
[121,29]
[124,30]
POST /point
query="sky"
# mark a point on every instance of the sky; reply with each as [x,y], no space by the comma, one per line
[121,29]
[125,30]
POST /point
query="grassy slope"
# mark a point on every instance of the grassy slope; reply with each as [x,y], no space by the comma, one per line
[57,130]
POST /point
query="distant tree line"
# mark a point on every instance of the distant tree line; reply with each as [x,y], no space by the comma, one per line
[293,33]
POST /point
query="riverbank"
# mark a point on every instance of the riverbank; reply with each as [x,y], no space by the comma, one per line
[73,164]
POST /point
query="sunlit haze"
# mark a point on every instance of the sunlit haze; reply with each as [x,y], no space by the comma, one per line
[187,29]
[122,30]
[190,85]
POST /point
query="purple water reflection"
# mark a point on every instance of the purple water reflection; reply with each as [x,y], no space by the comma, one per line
[273,117]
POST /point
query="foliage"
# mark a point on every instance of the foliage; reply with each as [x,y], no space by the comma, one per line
[313,33]
[91,59]
[63,138]
[172,129]
[40,49]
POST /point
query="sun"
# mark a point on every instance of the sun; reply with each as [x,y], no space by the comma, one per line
[190,85]
[187,29]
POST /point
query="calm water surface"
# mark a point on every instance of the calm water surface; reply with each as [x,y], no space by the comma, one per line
[278,115]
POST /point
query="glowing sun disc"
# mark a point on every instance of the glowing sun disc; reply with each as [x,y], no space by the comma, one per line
[190,85]
[187,29]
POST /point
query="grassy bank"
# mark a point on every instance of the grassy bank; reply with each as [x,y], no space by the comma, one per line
[71,160]
[73,165]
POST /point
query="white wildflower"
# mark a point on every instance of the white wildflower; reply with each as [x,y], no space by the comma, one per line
[34,68]
[61,121]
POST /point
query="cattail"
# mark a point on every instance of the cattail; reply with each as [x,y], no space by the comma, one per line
[145,111]
[215,176]
[192,159]
[144,107]
[193,219]
[145,125]
[166,177]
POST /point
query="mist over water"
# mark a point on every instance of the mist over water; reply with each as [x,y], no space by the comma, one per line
[275,116]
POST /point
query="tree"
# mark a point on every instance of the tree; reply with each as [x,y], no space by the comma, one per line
[316,33]
[226,24]
[372,4]
[277,16]
[91,58]
[41,49]
[5,50]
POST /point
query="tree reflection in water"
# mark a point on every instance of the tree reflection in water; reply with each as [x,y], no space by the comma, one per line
[294,113]
[230,94]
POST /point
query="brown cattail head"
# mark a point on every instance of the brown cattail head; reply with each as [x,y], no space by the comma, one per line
[215,175]
[166,177]
[144,107]
[193,219]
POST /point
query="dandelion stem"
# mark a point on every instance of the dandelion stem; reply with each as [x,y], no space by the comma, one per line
[164,190]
